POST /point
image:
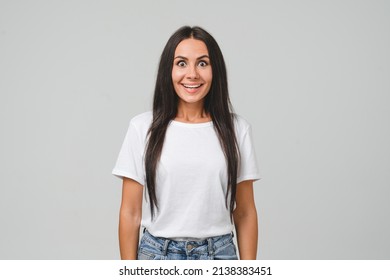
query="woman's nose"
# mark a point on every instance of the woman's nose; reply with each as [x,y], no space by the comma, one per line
[192,72]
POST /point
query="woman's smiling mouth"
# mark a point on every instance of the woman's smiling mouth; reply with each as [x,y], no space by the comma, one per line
[191,86]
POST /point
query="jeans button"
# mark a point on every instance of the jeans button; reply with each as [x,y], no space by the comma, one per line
[189,247]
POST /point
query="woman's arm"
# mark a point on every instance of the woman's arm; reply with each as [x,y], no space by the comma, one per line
[245,220]
[130,218]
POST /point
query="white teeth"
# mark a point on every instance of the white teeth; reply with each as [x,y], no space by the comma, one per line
[191,86]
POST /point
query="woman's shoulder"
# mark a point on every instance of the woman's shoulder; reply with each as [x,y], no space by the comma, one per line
[240,123]
[142,121]
[142,118]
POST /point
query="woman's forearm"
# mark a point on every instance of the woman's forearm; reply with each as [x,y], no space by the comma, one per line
[130,219]
[129,226]
[247,234]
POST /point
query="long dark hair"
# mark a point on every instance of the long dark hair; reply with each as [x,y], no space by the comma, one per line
[217,104]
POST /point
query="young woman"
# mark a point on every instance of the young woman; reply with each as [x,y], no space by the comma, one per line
[188,167]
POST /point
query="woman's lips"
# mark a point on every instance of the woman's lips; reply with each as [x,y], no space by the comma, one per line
[191,88]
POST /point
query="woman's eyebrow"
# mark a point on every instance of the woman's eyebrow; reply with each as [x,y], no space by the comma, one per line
[203,56]
[185,58]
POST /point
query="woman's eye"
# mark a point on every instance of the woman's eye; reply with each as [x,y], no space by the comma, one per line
[202,63]
[181,63]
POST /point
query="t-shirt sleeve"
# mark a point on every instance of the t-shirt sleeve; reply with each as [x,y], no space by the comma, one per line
[248,168]
[130,159]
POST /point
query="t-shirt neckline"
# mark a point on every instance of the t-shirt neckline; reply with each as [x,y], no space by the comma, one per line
[202,124]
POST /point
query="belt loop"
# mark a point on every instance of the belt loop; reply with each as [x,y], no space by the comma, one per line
[210,242]
[165,248]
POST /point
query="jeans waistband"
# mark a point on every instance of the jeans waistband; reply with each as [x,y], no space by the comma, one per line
[211,242]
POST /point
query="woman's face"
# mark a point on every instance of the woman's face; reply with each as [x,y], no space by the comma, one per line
[191,72]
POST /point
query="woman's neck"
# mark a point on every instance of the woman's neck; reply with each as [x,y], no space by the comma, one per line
[192,113]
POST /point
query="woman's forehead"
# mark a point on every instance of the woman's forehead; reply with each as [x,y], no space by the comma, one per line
[191,48]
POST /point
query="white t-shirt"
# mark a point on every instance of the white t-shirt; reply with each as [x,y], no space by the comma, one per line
[191,178]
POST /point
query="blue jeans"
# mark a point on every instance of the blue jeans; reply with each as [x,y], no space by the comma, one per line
[213,248]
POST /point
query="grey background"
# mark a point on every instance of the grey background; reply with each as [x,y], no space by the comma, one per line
[311,76]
